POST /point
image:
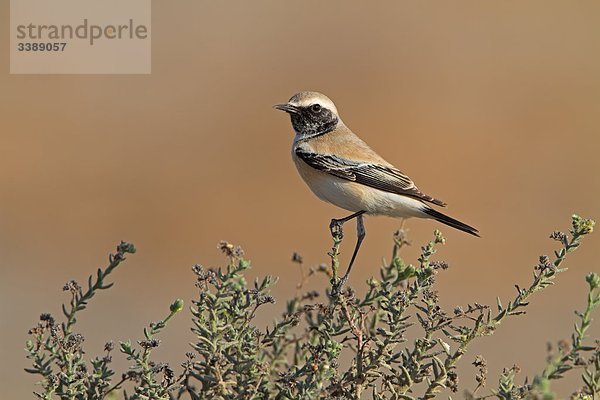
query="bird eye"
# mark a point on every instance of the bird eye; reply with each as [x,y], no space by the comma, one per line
[315,108]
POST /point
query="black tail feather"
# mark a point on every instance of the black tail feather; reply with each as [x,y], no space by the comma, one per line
[444,219]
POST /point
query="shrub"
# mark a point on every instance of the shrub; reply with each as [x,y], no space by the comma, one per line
[298,357]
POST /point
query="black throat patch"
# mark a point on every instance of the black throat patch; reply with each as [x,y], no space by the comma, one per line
[311,123]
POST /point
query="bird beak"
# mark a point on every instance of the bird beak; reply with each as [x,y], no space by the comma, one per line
[288,108]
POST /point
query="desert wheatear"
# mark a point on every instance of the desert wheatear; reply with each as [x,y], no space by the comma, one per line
[343,170]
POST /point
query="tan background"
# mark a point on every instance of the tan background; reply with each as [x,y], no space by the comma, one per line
[493,107]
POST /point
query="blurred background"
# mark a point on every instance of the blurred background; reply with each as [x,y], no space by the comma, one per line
[493,107]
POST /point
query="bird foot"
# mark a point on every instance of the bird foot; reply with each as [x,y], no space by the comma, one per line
[336,228]
[337,286]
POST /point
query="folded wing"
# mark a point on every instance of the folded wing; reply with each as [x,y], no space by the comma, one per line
[382,177]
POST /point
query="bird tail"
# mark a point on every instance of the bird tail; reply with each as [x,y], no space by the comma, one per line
[444,219]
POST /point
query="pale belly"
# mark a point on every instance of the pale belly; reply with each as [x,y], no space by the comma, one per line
[355,197]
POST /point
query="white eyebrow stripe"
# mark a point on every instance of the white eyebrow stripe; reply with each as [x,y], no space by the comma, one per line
[310,100]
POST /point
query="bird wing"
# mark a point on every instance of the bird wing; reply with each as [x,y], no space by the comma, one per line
[382,177]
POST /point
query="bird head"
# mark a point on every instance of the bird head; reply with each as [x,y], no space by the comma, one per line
[312,114]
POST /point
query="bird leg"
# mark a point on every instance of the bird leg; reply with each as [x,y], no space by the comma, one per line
[360,235]
[336,225]
[337,232]
[402,220]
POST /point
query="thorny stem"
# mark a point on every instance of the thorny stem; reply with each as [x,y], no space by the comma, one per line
[542,279]
[423,275]
[560,363]
[242,361]
[80,299]
[358,334]
[334,254]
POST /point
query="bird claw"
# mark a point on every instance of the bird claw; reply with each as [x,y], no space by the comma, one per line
[337,286]
[336,228]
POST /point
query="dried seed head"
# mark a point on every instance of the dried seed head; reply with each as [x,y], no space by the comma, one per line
[439,265]
[482,372]
[52,380]
[430,295]
[109,346]
[559,237]
[72,342]
[149,343]
[230,250]
[265,299]
[125,247]
[204,277]
[297,258]
[452,381]
[48,319]
[564,346]
[544,263]
[72,286]
[480,361]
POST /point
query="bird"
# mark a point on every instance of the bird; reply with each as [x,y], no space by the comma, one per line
[341,169]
